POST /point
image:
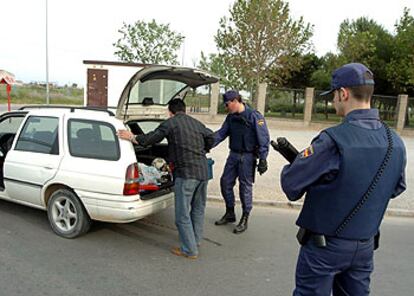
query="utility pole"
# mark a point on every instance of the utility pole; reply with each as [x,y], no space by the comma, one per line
[183,54]
[47,58]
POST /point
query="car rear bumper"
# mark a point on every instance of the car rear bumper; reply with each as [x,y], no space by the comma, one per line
[124,209]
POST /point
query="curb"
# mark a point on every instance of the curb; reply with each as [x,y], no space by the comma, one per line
[391,212]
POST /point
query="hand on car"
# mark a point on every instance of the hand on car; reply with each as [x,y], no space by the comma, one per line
[126,135]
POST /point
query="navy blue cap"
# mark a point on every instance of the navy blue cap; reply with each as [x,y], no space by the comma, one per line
[349,75]
[230,95]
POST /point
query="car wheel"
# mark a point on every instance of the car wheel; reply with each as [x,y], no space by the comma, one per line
[66,214]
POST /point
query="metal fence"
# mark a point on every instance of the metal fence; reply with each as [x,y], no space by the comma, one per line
[409,120]
[323,109]
[198,101]
[289,103]
[387,106]
[285,102]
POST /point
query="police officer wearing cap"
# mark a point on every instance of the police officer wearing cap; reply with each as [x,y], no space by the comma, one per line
[349,173]
[248,139]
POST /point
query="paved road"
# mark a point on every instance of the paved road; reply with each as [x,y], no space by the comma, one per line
[134,259]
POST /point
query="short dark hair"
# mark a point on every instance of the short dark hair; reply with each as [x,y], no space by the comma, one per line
[176,105]
[363,92]
[239,99]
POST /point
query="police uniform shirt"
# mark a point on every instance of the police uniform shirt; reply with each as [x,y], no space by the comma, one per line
[320,162]
[256,120]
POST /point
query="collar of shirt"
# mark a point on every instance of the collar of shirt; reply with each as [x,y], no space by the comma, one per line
[366,118]
[245,111]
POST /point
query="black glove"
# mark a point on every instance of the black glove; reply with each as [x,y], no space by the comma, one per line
[262,167]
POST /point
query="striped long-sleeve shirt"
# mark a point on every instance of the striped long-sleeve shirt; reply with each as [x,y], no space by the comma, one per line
[188,142]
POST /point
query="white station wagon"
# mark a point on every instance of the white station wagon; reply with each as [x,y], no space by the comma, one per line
[70,162]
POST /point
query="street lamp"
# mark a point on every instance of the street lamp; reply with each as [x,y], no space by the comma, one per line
[47,59]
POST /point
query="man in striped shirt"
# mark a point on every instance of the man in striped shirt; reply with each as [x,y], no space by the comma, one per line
[188,142]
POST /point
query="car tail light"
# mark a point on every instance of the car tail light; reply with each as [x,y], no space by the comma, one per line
[131,185]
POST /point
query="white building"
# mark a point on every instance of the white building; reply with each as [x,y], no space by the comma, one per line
[106,80]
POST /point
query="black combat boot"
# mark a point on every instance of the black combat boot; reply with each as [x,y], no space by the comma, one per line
[229,217]
[242,226]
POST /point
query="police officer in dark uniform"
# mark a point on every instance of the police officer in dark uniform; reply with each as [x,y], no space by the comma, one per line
[349,173]
[249,139]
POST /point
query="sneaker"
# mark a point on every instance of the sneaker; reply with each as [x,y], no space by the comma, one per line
[177,252]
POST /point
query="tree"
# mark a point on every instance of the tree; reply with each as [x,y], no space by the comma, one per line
[217,65]
[261,41]
[321,78]
[302,77]
[150,43]
[365,41]
[400,70]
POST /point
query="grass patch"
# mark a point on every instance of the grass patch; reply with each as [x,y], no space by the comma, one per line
[36,94]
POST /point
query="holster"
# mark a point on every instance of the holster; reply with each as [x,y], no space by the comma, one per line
[304,235]
[376,241]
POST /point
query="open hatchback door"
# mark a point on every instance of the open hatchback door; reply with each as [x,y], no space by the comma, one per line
[148,92]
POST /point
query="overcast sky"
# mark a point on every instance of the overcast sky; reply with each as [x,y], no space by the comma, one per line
[86,29]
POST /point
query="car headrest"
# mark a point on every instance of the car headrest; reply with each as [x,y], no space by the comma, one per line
[148,101]
[85,134]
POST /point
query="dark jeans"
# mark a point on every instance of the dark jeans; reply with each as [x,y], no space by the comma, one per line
[190,203]
[241,166]
[343,267]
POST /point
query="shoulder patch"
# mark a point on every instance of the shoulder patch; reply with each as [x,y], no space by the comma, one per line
[307,152]
[260,122]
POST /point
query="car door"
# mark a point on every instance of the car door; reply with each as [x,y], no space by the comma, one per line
[9,124]
[33,159]
[92,162]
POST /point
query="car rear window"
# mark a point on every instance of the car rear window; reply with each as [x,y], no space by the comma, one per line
[159,91]
[93,139]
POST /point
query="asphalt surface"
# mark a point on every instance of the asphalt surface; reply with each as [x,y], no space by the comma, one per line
[134,259]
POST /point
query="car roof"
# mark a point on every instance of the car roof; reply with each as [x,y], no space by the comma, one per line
[66,109]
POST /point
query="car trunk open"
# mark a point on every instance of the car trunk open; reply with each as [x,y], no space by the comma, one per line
[148,92]
[143,106]
[146,155]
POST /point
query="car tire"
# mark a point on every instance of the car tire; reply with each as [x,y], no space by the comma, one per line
[67,216]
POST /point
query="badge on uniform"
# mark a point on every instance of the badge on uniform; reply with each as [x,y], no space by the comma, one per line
[307,152]
[260,122]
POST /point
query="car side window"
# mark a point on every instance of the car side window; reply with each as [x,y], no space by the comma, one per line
[93,139]
[39,134]
[10,124]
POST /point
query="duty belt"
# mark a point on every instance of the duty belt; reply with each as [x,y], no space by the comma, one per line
[241,151]
[304,236]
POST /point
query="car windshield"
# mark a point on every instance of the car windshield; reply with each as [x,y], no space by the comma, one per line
[158,91]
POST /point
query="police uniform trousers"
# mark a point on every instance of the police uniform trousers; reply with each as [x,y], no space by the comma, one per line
[343,267]
[241,166]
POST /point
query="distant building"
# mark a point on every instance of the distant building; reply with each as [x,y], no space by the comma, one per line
[106,80]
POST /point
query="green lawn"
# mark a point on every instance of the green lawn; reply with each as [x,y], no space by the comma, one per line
[33,94]
[284,115]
